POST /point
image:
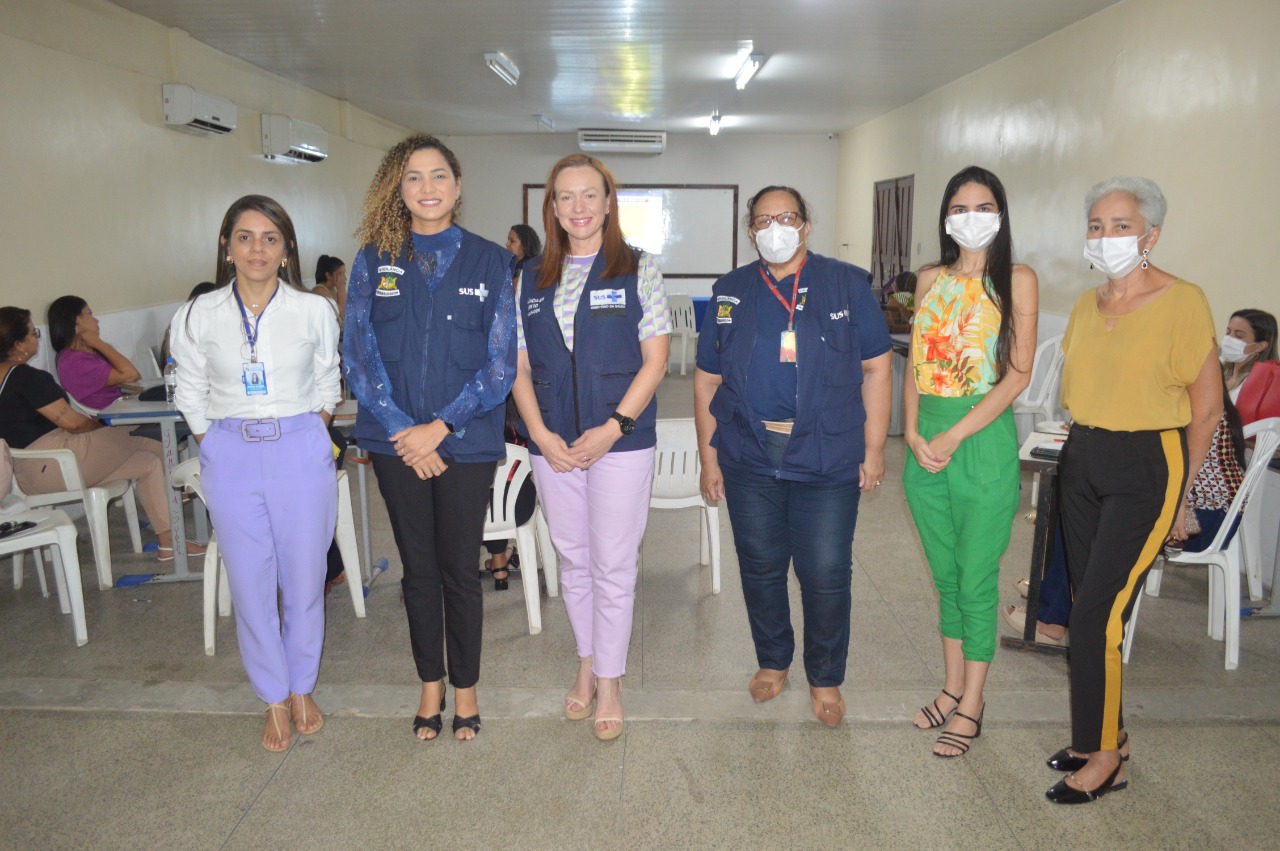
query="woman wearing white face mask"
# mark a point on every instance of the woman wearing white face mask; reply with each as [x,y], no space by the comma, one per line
[1250,338]
[1142,382]
[791,398]
[972,344]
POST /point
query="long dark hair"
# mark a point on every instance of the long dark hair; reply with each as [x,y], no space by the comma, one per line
[530,245]
[998,276]
[619,258]
[63,313]
[292,272]
[325,267]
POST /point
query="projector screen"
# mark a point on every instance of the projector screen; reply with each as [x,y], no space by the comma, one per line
[692,229]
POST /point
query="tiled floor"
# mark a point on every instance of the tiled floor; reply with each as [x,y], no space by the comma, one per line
[139,740]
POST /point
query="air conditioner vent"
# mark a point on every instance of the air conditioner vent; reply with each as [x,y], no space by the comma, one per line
[623,141]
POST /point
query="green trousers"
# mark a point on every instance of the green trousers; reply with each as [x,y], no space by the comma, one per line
[964,515]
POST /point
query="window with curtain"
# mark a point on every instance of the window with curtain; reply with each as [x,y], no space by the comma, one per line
[891,239]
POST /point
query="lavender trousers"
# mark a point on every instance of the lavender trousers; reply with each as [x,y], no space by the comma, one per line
[274,503]
[597,519]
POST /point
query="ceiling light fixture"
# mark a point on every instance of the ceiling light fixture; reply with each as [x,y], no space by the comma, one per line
[714,125]
[546,122]
[748,70]
[502,65]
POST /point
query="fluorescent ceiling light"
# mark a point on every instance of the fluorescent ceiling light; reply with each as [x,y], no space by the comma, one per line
[714,124]
[546,122]
[501,65]
[748,70]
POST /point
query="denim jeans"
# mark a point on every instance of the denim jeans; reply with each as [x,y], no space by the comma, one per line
[775,522]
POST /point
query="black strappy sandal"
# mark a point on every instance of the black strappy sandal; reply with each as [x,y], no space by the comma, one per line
[960,740]
[471,723]
[435,724]
[935,714]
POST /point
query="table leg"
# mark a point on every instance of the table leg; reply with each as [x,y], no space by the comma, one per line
[1041,554]
[177,523]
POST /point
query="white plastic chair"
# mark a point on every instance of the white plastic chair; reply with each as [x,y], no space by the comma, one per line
[1041,400]
[94,501]
[1225,562]
[216,589]
[54,530]
[533,540]
[683,324]
[677,473]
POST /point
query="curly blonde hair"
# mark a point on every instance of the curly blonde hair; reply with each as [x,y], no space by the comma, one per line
[386,219]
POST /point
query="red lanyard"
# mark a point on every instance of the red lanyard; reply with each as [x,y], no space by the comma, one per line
[795,290]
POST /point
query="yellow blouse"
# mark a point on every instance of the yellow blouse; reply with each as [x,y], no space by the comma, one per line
[1134,377]
[953,338]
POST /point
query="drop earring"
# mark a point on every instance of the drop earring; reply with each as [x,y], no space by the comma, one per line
[1144,263]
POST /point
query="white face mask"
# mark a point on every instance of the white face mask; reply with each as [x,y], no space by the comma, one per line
[974,231]
[1115,256]
[1232,350]
[777,243]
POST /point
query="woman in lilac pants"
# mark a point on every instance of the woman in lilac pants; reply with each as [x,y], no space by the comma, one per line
[258,382]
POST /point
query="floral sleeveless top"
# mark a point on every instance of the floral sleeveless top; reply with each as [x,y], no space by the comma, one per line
[953,338]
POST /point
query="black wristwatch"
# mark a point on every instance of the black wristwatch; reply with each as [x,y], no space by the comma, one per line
[628,425]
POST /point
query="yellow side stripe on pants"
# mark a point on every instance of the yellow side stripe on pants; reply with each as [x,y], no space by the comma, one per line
[1171,442]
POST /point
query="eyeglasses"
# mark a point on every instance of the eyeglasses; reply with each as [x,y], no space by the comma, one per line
[763,220]
[35,331]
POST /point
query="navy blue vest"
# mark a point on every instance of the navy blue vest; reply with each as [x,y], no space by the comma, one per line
[579,390]
[432,343]
[827,437]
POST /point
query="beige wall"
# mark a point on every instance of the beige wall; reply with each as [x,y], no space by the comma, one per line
[1186,92]
[103,200]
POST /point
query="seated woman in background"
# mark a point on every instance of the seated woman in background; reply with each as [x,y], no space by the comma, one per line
[35,414]
[89,367]
[196,291]
[523,242]
[1250,338]
[331,282]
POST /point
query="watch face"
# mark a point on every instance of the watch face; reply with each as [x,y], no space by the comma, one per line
[627,424]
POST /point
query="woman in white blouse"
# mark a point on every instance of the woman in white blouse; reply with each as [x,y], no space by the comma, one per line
[258,382]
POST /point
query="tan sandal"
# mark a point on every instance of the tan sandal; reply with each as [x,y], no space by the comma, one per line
[764,688]
[575,708]
[305,724]
[608,734]
[280,731]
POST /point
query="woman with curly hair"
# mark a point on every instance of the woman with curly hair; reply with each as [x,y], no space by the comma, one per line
[429,351]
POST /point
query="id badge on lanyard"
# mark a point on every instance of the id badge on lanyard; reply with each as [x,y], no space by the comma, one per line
[252,373]
[787,345]
[254,377]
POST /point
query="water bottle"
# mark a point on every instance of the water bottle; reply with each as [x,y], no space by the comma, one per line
[171,382]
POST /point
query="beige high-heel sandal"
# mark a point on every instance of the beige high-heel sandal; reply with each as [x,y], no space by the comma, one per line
[576,709]
[608,734]
[280,731]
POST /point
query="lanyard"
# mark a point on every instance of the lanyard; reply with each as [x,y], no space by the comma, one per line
[251,333]
[795,290]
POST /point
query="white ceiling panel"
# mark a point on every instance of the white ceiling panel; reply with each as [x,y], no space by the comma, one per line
[656,64]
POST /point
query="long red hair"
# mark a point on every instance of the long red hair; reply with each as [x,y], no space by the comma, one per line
[619,258]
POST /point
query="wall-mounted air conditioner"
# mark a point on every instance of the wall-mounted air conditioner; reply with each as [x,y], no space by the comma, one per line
[289,140]
[197,112]
[622,141]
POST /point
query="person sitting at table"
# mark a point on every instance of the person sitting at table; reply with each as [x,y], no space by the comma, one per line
[35,414]
[1250,338]
[89,368]
[196,291]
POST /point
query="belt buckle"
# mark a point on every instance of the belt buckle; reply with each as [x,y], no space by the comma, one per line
[256,431]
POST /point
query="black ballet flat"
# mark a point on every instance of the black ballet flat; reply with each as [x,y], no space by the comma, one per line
[471,723]
[1064,760]
[435,724]
[1063,793]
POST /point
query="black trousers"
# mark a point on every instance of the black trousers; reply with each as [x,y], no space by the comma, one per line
[438,524]
[1119,494]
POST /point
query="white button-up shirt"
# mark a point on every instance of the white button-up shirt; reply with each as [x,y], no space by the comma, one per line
[297,347]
